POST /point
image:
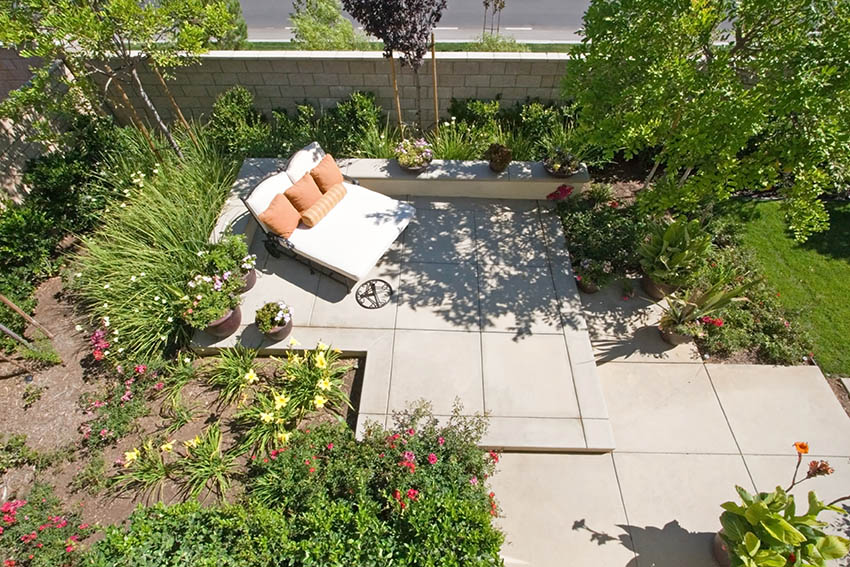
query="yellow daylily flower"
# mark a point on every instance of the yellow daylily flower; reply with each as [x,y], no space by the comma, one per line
[167,447]
[293,342]
[283,437]
[266,417]
[251,376]
[192,443]
[337,351]
[130,456]
[321,346]
[324,384]
[319,401]
[278,421]
[280,400]
[321,361]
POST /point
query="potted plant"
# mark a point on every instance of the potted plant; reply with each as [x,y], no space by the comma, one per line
[592,274]
[671,252]
[414,155]
[212,303]
[684,314]
[499,156]
[561,163]
[767,530]
[230,254]
[274,320]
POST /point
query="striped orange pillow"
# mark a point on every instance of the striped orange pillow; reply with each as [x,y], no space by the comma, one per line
[323,206]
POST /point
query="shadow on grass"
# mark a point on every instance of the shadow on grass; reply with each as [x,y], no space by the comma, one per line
[835,242]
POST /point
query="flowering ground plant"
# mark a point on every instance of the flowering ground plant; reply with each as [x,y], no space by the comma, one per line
[413,154]
[765,530]
[594,272]
[271,315]
[36,532]
[692,311]
[210,297]
[313,379]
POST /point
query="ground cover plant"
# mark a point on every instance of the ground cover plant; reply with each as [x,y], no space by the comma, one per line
[809,282]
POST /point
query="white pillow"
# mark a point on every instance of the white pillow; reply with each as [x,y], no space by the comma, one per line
[304,160]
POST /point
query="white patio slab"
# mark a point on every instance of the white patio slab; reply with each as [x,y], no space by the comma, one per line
[476,316]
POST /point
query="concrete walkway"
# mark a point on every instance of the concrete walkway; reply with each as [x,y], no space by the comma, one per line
[687,433]
[486,312]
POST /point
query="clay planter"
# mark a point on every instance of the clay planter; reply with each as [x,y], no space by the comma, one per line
[721,554]
[280,333]
[673,338]
[415,170]
[226,325]
[250,280]
[656,290]
[587,287]
[560,173]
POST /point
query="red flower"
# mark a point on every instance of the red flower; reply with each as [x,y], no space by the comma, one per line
[718,322]
[578,278]
[441,441]
[791,557]
[98,355]
[432,458]
[494,456]
[397,494]
[140,368]
[411,432]
[330,446]
[312,469]
[613,204]
[413,494]
[9,563]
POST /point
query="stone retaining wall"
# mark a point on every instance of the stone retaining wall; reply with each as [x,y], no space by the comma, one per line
[282,79]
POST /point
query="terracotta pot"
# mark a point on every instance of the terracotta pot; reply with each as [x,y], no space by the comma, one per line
[280,333]
[587,287]
[415,170]
[560,174]
[226,325]
[250,280]
[721,553]
[673,338]
[656,290]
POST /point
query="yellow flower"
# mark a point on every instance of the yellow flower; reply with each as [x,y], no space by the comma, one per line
[251,376]
[337,351]
[278,421]
[283,437]
[321,361]
[280,400]
[130,456]
[322,346]
[293,342]
[266,417]
[319,401]
[192,443]
[324,384]
[167,447]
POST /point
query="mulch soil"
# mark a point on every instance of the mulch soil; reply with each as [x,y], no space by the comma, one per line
[52,423]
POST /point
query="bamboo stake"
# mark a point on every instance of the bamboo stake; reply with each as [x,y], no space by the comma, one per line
[13,363]
[15,336]
[23,314]
[174,104]
[395,90]
[434,75]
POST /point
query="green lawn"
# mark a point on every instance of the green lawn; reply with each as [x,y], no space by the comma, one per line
[440,46]
[813,277]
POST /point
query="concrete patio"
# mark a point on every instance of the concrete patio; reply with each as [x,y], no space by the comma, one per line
[485,311]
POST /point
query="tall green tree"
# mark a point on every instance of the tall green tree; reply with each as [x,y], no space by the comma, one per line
[237,37]
[113,39]
[320,25]
[727,94]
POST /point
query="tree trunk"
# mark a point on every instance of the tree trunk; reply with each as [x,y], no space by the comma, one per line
[134,117]
[157,118]
[499,22]
[651,173]
[434,76]
[484,25]
[174,104]
[395,92]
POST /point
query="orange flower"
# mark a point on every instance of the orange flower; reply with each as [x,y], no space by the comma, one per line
[802,447]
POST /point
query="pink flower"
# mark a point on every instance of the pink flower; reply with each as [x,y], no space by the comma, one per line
[159,386]
[578,278]
[441,441]
[411,432]
[140,368]
[494,456]
[432,458]
[83,527]
[409,456]
[412,494]
[104,432]
[330,446]
[69,548]
[473,481]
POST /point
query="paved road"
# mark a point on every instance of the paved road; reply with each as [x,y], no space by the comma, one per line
[535,20]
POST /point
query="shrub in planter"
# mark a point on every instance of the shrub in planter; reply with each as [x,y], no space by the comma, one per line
[230,254]
[673,251]
[414,155]
[499,157]
[767,529]
[273,319]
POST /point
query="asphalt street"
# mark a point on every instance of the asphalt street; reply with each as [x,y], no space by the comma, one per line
[534,21]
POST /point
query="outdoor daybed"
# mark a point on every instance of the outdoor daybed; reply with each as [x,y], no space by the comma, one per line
[349,239]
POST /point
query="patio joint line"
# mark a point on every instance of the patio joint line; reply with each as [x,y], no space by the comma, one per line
[401,264]
[480,314]
[729,425]
[625,510]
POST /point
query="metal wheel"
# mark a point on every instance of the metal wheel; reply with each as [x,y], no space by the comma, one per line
[373,294]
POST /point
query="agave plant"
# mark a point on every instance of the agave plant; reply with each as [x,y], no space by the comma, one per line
[673,250]
[687,308]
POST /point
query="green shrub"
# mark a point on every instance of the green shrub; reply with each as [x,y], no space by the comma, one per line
[343,127]
[41,533]
[496,42]
[674,250]
[117,406]
[27,239]
[236,127]
[133,269]
[320,25]
[460,140]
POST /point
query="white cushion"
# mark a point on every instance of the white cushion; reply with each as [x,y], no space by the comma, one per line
[355,234]
[304,160]
[263,194]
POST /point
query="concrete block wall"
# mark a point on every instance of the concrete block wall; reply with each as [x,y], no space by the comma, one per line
[283,79]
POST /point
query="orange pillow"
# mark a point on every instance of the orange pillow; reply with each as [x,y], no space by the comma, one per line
[281,217]
[303,194]
[323,206]
[326,174]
